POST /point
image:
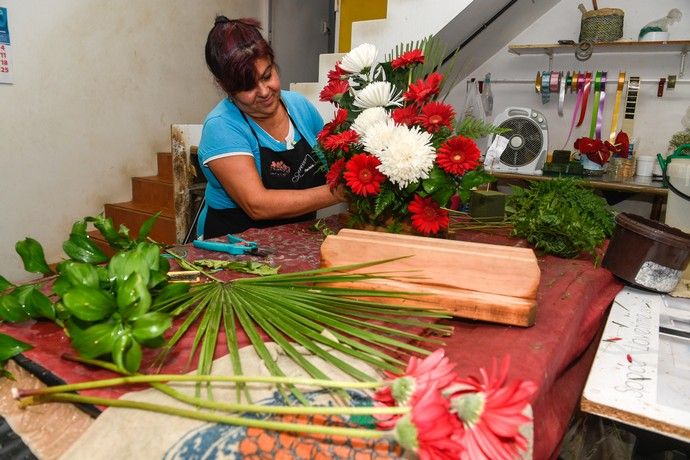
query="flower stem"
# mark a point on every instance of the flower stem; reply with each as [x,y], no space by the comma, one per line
[181,260]
[206,416]
[194,378]
[230,407]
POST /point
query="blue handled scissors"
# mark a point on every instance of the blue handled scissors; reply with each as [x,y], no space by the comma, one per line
[234,245]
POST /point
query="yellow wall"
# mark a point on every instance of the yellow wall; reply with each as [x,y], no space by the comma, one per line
[357,10]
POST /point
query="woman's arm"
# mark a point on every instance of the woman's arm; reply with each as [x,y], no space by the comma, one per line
[240,179]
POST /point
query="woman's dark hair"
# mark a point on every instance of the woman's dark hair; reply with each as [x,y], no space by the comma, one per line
[232,47]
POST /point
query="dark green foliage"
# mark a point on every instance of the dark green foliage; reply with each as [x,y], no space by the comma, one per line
[560,217]
[474,129]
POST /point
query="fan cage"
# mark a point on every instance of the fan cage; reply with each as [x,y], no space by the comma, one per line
[532,137]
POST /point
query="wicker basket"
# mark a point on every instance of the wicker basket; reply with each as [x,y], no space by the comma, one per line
[603,25]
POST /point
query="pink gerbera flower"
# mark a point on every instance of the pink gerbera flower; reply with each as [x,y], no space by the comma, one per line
[341,141]
[491,413]
[405,388]
[362,176]
[430,429]
[408,58]
[458,155]
[435,115]
[405,115]
[333,175]
[424,90]
[334,90]
[427,215]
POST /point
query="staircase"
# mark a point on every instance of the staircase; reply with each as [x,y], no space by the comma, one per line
[149,195]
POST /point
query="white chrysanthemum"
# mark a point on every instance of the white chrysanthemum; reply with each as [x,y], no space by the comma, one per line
[378,137]
[378,94]
[359,59]
[408,157]
[368,118]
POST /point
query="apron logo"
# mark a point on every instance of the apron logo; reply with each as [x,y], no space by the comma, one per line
[279,168]
[308,164]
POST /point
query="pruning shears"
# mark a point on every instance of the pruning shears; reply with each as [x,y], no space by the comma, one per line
[234,245]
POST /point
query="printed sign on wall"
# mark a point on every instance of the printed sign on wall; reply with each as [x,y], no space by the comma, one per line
[5,48]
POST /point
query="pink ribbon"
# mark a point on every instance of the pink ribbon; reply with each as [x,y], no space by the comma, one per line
[580,91]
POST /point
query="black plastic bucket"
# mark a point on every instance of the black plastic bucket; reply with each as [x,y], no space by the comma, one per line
[647,253]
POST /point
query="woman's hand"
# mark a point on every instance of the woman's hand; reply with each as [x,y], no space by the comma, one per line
[242,182]
[339,193]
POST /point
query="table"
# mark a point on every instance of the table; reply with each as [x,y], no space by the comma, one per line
[556,353]
[635,184]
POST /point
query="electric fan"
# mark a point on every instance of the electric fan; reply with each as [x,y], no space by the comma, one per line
[525,150]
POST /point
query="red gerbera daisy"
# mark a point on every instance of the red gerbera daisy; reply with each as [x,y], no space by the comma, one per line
[338,119]
[436,114]
[458,155]
[405,60]
[362,176]
[334,90]
[427,215]
[341,141]
[323,134]
[424,90]
[336,74]
[431,430]
[405,115]
[491,414]
[333,175]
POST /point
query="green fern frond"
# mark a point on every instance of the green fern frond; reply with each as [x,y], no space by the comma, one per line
[474,128]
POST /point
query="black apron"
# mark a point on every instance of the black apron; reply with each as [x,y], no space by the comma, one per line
[295,169]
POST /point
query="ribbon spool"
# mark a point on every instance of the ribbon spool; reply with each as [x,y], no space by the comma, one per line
[545,81]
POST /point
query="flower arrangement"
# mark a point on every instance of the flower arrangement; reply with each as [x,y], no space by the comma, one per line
[393,143]
[600,151]
[428,409]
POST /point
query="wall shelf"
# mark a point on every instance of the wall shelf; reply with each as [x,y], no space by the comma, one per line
[549,49]
[677,46]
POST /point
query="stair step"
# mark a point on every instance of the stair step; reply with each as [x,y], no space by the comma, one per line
[154,191]
[165,169]
[132,215]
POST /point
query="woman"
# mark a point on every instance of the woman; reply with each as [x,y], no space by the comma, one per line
[256,144]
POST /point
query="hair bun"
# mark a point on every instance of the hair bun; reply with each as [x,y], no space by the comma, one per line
[221,20]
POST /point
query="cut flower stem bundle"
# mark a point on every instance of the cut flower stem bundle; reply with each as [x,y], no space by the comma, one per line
[427,408]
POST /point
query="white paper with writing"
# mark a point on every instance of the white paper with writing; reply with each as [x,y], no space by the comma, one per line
[637,370]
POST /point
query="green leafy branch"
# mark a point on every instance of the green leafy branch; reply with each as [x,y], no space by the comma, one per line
[106,309]
[475,128]
[558,216]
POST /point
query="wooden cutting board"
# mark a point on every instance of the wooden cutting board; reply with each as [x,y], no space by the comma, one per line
[469,280]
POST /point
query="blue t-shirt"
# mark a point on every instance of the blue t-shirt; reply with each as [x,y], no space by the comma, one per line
[226,133]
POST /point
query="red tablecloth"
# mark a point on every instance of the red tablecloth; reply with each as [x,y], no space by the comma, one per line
[556,352]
